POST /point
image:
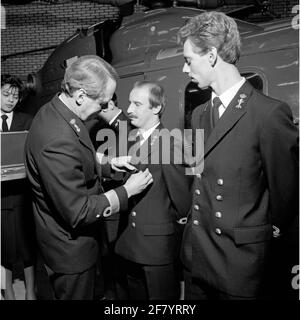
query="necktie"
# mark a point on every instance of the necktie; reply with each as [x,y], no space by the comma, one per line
[4,123]
[215,112]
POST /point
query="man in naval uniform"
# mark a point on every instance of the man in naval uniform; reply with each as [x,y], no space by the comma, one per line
[247,194]
[68,200]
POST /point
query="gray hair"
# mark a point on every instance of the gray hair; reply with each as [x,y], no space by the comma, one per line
[90,73]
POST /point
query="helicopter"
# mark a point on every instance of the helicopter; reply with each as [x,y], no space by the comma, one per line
[143,46]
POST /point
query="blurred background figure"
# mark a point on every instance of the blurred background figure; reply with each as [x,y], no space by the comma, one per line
[17,228]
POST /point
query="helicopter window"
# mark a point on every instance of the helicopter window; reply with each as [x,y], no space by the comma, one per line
[255,80]
[194,96]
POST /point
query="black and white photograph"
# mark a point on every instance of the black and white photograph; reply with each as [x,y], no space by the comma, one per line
[150,153]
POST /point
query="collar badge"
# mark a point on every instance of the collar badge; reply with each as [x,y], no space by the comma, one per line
[241,100]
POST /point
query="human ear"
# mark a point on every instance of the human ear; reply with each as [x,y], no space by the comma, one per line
[156,110]
[79,96]
[213,56]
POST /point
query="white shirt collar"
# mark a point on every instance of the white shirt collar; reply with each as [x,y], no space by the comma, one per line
[227,96]
[115,117]
[146,134]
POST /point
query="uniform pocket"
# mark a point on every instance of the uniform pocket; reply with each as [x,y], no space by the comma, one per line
[253,234]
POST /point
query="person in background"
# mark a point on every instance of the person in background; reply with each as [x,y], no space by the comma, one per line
[17,227]
[61,165]
[148,243]
[247,195]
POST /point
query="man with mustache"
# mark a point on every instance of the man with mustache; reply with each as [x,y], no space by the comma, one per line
[149,242]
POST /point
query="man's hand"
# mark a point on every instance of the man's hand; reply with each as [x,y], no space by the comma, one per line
[138,182]
[121,164]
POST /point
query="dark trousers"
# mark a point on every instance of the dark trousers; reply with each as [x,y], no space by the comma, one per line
[143,282]
[197,290]
[79,286]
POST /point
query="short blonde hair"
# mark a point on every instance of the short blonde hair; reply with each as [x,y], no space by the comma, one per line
[213,29]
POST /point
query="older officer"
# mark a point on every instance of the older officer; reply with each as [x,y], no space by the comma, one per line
[248,190]
[67,197]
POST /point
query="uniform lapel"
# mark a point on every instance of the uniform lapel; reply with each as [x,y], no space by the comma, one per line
[15,123]
[151,145]
[233,113]
[205,121]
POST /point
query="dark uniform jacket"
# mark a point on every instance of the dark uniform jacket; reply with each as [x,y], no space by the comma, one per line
[249,183]
[67,199]
[154,224]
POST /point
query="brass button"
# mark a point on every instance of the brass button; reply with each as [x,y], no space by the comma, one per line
[133,213]
[133,224]
[218,231]
[196,222]
[197,191]
[218,214]
[98,216]
[198,175]
[219,197]
[220,182]
[196,207]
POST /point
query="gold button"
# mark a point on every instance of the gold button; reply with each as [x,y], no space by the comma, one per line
[133,213]
[133,225]
[197,191]
[219,197]
[218,231]
[196,222]
[196,207]
[198,175]
[98,216]
[218,214]
[220,182]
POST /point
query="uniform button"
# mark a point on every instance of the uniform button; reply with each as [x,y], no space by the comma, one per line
[198,175]
[197,191]
[220,182]
[218,214]
[98,216]
[218,231]
[196,207]
[133,224]
[133,213]
[196,222]
[219,197]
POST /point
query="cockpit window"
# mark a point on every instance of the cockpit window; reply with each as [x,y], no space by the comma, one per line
[194,96]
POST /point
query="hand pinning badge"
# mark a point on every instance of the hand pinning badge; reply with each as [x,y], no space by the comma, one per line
[243,96]
[73,123]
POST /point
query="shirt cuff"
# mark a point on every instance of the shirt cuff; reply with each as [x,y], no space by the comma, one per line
[114,202]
